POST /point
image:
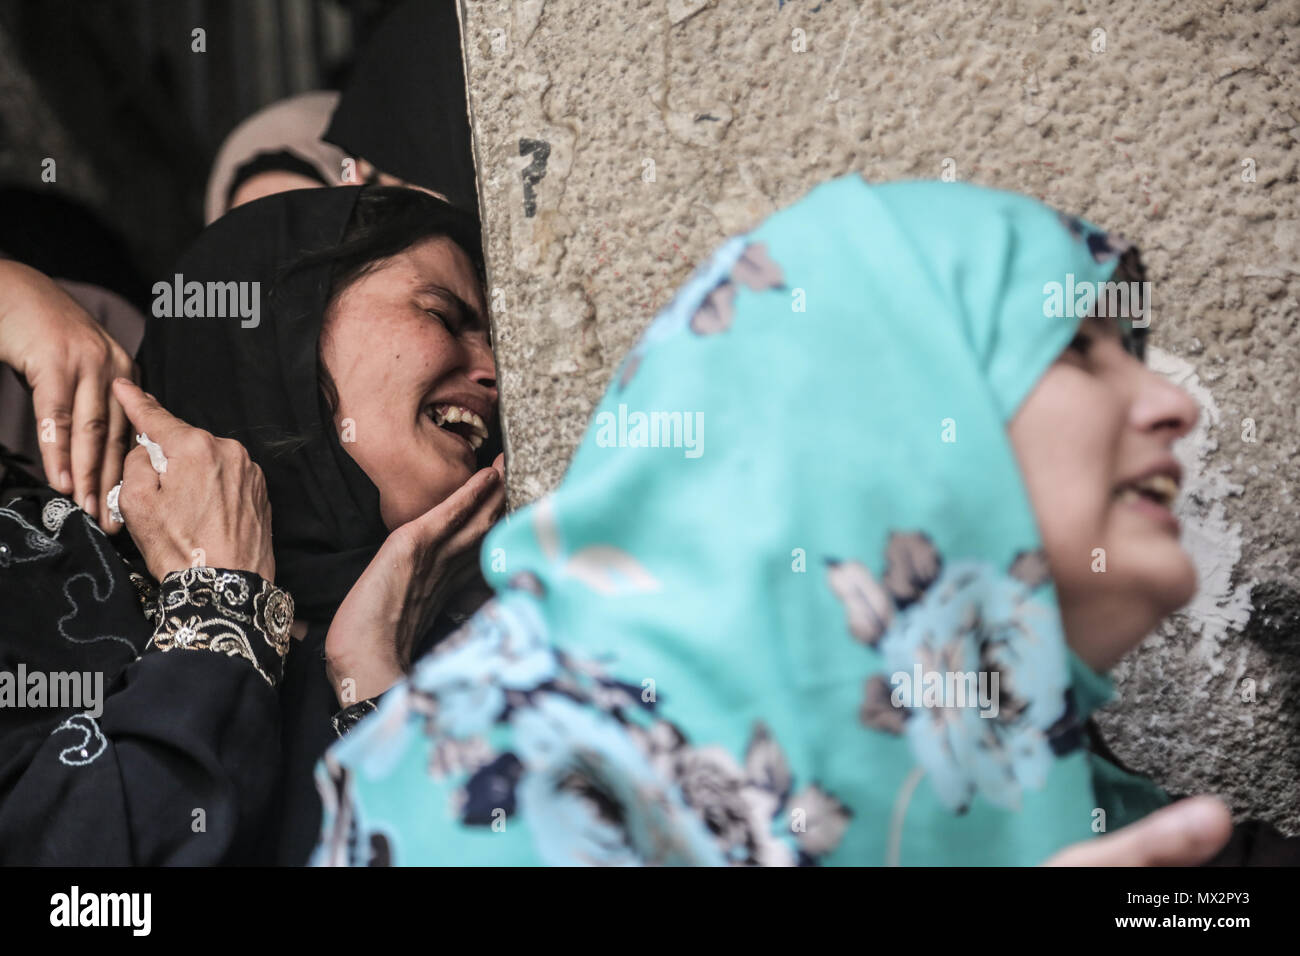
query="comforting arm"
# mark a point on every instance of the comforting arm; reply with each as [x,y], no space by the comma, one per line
[180,766]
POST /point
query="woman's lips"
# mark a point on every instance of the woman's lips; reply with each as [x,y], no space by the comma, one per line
[461,446]
[1150,509]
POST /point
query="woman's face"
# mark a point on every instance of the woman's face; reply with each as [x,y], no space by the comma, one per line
[407,347]
[1094,442]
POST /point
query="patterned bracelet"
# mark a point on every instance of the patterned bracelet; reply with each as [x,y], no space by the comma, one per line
[353,714]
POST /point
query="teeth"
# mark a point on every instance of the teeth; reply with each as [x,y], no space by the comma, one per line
[1162,487]
[446,414]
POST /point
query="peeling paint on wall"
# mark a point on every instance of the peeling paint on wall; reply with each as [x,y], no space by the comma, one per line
[1220,607]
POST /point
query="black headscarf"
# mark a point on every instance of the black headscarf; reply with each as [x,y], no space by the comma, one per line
[260,386]
[405,109]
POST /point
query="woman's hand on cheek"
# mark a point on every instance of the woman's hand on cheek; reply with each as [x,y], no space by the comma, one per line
[415,574]
[1186,833]
[209,509]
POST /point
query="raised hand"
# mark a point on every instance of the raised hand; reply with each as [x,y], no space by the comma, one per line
[210,507]
[1186,833]
[416,573]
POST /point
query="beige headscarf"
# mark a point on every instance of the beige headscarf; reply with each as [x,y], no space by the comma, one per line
[294,124]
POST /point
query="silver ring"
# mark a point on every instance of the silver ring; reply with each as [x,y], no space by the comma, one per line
[111,501]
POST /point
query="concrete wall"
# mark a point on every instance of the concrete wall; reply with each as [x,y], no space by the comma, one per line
[620,140]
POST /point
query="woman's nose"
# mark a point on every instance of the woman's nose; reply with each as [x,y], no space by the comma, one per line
[1162,405]
[482,369]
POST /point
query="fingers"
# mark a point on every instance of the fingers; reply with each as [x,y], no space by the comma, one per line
[139,484]
[1186,833]
[115,449]
[444,520]
[52,398]
[138,472]
[487,513]
[144,412]
[89,431]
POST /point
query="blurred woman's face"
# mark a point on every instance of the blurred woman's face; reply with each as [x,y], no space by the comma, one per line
[407,347]
[1094,442]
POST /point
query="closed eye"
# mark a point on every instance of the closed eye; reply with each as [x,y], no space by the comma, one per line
[448,324]
[1080,343]
[457,315]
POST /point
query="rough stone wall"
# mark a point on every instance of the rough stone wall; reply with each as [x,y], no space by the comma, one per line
[620,141]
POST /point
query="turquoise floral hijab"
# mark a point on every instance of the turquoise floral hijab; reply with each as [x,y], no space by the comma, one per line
[788,605]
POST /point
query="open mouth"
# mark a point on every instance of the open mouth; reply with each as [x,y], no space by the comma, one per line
[1153,494]
[1160,489]
[459,421]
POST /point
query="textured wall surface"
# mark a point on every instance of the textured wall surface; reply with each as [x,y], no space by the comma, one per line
[619,142]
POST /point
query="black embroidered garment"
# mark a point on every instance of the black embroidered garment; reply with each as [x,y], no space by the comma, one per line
[139,722]
[235,613]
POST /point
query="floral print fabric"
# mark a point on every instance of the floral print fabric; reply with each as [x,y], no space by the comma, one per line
[605,779]
[707,660]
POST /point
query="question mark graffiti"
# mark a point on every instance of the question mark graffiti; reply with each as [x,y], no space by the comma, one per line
[534,172]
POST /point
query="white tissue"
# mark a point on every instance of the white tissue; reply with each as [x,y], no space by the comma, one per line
[156,456]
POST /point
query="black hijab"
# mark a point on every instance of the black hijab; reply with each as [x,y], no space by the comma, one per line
[260,386]
[405,109]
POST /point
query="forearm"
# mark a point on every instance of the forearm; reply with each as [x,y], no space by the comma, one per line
[364,677]
[180,766]
[20,285]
